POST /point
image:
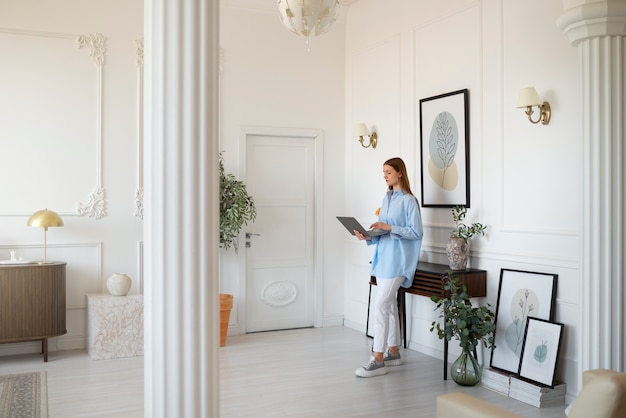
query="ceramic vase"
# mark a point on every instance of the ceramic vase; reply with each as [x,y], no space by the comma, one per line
[457,250]
[119,284]
[466,369]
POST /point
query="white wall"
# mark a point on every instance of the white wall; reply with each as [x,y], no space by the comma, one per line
[93,248]
[524,178]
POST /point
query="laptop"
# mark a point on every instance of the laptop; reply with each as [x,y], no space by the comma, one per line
[352,224]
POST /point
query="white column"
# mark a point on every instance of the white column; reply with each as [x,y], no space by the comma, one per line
[181,211]
[598,30]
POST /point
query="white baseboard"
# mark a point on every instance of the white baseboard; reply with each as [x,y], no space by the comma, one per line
[12,349]
[72,343]
[332,321]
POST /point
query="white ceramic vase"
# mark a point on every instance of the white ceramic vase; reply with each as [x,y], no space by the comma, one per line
[119,284]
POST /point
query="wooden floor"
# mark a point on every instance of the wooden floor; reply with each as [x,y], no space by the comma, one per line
[296,373]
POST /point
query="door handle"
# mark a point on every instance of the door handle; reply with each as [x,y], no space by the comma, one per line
[250,234]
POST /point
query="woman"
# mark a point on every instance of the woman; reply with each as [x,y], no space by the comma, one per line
[394,263]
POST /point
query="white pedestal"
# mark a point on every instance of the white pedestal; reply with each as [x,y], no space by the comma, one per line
[115,326]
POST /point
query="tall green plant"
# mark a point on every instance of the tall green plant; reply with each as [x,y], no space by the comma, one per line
[237,208]
[467,323]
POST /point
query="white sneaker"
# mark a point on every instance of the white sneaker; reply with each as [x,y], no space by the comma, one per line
[372,368]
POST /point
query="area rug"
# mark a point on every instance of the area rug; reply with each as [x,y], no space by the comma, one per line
[24,395]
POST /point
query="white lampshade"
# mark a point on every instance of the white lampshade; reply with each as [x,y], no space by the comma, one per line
[360,129]
[307,17]
[528,97]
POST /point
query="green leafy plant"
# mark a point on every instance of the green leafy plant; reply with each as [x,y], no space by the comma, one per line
[237,208]
[462,230]
[467,323]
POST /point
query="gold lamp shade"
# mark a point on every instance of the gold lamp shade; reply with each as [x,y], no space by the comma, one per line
[45,218]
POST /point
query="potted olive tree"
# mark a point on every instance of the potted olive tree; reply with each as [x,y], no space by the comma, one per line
[458,246]
[237,208]
[468,324]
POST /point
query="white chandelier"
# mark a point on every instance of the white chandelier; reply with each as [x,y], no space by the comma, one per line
[307,17]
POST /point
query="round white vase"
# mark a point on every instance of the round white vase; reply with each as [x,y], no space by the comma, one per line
[119,284]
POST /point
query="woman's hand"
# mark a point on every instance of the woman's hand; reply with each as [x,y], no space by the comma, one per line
[381,225]
[361,236]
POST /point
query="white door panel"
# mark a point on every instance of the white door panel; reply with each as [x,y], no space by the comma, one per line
[280,175]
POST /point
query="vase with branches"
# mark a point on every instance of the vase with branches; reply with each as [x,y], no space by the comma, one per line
[458,245]
[468,324]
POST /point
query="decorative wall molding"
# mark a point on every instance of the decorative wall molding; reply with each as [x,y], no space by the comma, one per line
[39,148]
[140,252]
[139,191]
[96,44]
[96,204]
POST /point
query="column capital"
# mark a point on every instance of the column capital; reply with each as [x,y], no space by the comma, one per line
[593,19]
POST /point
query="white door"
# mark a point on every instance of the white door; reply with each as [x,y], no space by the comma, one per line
[280,265]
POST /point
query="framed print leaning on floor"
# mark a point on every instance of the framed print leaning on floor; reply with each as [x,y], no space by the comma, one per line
[540,354]
[521,294]
[444,138]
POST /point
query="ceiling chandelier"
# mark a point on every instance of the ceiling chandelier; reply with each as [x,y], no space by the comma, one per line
[307,17]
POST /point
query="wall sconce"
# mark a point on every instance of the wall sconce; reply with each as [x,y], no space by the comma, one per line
[45,218]
[528,98]
[361,130]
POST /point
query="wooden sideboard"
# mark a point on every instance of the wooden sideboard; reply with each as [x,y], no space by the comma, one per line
[429,281]
[32,303]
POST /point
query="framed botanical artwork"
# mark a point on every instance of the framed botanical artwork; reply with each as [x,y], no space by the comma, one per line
[521,294]
[444,138]
[540,351]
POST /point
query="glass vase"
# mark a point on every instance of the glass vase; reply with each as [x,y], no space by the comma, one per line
[465,370]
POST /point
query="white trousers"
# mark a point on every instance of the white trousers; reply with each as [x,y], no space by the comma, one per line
[386,320]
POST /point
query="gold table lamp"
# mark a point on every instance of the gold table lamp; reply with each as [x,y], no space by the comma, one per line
[45,218]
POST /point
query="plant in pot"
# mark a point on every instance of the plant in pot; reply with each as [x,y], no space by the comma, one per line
[458,246]
[468,324]
[237,208]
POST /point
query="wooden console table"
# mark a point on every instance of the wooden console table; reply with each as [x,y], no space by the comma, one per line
[32,303]
[429,281]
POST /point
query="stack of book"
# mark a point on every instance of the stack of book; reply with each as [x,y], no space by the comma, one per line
[496,380]
[536,394]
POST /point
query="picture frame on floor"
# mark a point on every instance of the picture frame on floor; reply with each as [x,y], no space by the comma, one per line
[540,352]
[521,294]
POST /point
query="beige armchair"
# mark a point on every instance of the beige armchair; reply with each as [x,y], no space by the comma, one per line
[603,396]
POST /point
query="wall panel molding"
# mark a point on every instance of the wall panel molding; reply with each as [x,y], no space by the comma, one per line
[45,89]
[139,190]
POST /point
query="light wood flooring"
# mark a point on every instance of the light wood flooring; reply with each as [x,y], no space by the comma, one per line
[295,373]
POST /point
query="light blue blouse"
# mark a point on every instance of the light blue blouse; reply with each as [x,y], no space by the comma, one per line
[397,253]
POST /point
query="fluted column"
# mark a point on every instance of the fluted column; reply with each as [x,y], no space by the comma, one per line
[598,30]
[181,211]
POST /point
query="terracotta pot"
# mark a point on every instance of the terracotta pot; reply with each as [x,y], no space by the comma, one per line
[226,304]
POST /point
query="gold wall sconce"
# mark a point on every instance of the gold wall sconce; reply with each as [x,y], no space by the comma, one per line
[361,131]
[45,218]
[528,98]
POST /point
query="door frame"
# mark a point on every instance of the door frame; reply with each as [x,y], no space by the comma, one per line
[318,139]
